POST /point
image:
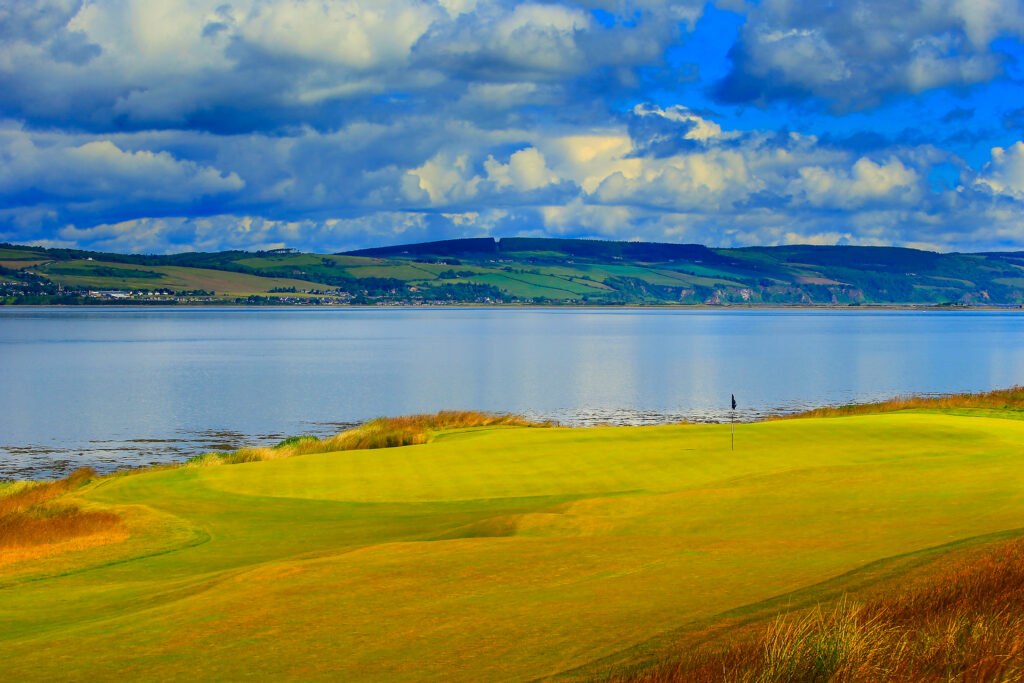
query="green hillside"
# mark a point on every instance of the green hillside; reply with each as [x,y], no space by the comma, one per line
[536,271]
[106,275]
[497,553]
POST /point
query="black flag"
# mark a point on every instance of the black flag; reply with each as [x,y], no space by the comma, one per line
[732,425]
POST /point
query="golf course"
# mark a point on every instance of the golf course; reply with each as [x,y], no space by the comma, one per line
[494,552]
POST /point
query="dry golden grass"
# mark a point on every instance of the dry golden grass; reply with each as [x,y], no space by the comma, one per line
[384,432]
[965,624]
[1000,399]
[10,555]
[34,516]
[30,495]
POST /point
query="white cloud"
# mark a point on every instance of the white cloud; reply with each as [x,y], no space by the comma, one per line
[355,33]
[723,187]
[705,182]
[175,234]
[99,169]
[864,182]
[1004,173]
[525,170]
[181,63]
[446,179]
[520,41]
[588,158]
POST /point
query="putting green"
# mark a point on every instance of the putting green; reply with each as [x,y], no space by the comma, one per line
[494,553]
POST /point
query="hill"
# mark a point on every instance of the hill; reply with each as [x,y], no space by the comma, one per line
[495,552]
[528,271]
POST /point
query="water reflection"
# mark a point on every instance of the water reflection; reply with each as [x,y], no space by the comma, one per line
[127,387]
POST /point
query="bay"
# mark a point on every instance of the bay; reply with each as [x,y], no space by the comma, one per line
[119,387]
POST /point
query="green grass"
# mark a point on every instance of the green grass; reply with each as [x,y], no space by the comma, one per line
[301,260]
[79,274]
[19,264]
[671,277]
[494,553]
[550,285]
[398,270]
[21,255]
[529,285]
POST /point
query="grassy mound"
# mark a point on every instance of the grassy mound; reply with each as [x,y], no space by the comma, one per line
[384,432]
[1011,399]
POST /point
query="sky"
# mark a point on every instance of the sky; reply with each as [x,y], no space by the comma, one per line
[186,125]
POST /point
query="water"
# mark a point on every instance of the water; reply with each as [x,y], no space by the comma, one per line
[125,387]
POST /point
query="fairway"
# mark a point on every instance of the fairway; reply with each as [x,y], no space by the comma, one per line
[497,553]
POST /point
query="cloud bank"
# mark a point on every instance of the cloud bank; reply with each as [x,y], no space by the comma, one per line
[139,126]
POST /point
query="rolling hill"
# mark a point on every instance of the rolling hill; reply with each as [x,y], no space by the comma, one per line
[536,271]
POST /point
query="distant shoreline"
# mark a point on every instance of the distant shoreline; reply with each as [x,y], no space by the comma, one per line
[560,307]
[520,272]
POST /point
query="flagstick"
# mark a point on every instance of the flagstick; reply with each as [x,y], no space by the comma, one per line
[732,422]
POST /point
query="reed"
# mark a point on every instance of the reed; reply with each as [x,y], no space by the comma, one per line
[964,624]
[383,432]
[33,495]
[34,515]
[1000,399]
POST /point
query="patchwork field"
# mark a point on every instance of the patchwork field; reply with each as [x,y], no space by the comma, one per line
[497,553]
[535,271]
[102,275]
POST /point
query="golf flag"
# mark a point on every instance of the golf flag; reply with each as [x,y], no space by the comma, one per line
[732,424]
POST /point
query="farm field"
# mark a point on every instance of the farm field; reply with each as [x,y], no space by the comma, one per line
[102,275]
[545,272]
[497,553]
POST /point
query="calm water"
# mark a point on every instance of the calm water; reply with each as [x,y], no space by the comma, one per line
[112,388]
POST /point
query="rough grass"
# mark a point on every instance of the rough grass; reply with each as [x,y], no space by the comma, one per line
[383,432]
[965,624]
[33,515]
[9,486]
[1000,399]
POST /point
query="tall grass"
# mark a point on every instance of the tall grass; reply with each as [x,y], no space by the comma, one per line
[1000,399]
[34,515]
[383,432]
[965,624]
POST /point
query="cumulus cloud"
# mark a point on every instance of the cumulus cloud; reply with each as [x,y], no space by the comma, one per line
[377,183]
[173,234]
[1005,172]
[855,54]
[99,169]
[525,170]
[865,182]
[134,125]
[445,179]
[270,64]
[540,41]
[350,33]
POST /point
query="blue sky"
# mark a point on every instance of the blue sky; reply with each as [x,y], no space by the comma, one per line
[138,126]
